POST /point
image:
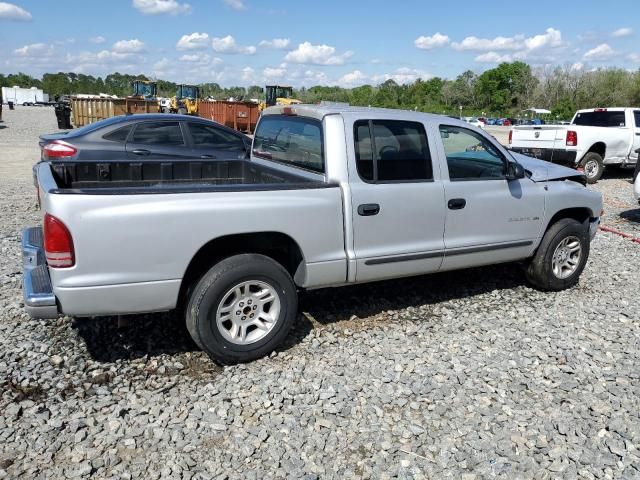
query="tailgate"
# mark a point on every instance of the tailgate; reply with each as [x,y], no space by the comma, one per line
[538,136]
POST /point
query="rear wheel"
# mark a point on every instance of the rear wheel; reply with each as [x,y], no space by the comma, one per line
[593,166]
[561,256]
[242,308]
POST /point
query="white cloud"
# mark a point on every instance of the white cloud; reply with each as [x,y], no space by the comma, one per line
[193,41]
[9,11]
[622,32]
[159,7]
[495,57]
[201,59]
[97,40]
[434,41]
[353,78]
[634,57]
[128,46]
[236,4]
[162,65]
[228,45]
[403,75]
[277,43]
[551,38]
[271,73]
[317,55]
[600,53]
[34,50]
[247,74]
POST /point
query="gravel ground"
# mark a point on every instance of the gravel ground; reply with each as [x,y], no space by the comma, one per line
[468,374]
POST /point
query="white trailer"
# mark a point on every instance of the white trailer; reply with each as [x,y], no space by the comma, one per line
[20,96]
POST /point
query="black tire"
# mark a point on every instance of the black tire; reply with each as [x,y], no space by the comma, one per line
[540,273]
[207,296]
[593,166]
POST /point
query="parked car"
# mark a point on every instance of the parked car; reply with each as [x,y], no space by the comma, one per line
[596,138]
[146,137]
[331,195]
[474,121]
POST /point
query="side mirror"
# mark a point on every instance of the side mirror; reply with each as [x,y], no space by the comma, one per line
[515,171]
[444,134]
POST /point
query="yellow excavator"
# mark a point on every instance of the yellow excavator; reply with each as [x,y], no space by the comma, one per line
[278,95]
[144,90]
[186,100]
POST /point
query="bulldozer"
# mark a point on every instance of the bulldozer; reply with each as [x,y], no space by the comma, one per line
[144,90]
[278,95]
[186,100]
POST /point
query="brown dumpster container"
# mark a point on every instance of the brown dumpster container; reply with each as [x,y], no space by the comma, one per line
[90,110]
[241,116]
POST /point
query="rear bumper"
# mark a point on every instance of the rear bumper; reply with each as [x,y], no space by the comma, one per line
[39,300]
[553,155]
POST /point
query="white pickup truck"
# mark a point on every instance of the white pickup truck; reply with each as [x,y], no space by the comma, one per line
[332,195]
[596,137]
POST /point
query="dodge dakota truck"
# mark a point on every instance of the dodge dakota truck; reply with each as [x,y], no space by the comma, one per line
[331,195]
[596,138]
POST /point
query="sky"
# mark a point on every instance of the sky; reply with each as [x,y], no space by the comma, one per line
[305,43]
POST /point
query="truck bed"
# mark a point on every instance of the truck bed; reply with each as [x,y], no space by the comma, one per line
[173,177]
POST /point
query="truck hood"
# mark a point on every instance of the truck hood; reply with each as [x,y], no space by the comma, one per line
[541,171]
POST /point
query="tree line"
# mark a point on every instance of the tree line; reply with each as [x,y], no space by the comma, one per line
[501,91]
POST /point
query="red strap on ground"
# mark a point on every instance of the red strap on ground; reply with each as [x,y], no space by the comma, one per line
[622,234]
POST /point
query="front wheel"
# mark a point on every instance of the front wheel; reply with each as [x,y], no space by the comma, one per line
[561,256]
[593,166]
[242,308]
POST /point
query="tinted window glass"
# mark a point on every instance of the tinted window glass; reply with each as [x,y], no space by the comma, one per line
[397,151]
[209,136]
[600,119]
[293,140]
[119,135]
[470,156]
[364,152]
[636,116]
[158,133]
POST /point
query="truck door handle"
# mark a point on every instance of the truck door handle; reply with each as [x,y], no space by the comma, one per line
[140,151]
[368,209]
[204,157]
[456,203]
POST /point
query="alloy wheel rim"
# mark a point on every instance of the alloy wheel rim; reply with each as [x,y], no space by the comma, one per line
[591,168]
[248,312]
[566,257]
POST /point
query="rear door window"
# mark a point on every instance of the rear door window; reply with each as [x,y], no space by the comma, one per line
[600,119]
[120,135]
[636,118]
[209,136]
[392,150]
[296,141]
[158,133]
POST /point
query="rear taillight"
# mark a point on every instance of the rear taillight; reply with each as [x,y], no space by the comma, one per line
[572,138]
[58,149]
[58,244]
[510,137]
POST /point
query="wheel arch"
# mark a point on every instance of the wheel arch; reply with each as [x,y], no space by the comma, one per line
[278,246]
[580,214]
[599,147]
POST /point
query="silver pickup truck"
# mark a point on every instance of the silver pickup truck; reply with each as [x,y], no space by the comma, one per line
[331,195]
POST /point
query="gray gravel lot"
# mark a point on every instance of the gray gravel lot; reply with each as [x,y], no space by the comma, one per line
[469,374]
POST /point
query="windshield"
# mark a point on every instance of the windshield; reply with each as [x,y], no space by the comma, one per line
[145,90]
[187,92]
[296,141]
